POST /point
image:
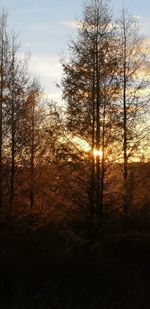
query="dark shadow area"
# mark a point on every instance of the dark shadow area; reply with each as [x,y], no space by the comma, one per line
[46,268]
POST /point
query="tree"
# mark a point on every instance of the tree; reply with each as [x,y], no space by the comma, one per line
[89,84]
[17,112]
[33,136]
[4,60]
[16,98]
[132,81]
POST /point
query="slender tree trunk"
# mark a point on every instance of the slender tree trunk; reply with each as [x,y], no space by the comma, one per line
[13,129]
[92,185]
[32,158]
[12,172]
[125,159]
[1,137]
[1,106]
[98,175]
[103,157]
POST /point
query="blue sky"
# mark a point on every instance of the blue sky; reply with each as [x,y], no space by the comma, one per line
[45,27]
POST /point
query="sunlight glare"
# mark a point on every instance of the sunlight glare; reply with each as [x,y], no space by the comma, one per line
[97,153]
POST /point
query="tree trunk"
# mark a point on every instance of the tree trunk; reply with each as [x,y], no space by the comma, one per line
[98,176]
[32,157]
[125,159]
[1,106]
[92,185]
[103,157]
[12,172]
[1,137]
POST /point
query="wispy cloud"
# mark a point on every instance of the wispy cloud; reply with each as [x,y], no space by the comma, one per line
[70,24]
[47,66]
[137,17]
[49,70]
[145,26]
[146,43]
[43,27]
[56,97]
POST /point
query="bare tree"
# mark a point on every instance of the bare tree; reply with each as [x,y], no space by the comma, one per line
[33,136]
[89,84]
[4,56]
[134,102]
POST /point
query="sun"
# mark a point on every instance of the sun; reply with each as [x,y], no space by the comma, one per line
[97,153]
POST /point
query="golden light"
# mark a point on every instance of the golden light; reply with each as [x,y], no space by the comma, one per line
[97,153]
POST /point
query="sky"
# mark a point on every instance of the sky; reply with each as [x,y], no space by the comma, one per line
[45,28]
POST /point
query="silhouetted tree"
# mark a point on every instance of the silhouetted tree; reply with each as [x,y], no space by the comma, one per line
[4,64]
[133,84]
[16,98]
[89,84]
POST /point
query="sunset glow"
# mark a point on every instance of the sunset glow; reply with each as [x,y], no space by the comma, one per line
[97,153]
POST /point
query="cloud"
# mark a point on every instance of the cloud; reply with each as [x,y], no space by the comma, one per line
[44,27]
[137,17]
[70,24]
[146,43]
[53,96]
[47,66]
[49,70]
[145,26]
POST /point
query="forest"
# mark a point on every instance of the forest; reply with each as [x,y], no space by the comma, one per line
[75,176]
